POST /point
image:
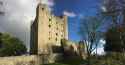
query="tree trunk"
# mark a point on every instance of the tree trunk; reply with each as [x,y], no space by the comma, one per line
[88,58]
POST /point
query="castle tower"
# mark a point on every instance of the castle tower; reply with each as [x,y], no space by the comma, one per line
[47,30]
[65,27]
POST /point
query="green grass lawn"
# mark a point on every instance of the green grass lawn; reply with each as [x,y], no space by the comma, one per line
[56,64]
[73,61]
[76,61]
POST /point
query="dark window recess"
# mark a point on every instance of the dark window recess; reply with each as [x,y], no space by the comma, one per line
[61,16]
[49,38]
[49,25]
[50,19]
[56,34]
[42,8]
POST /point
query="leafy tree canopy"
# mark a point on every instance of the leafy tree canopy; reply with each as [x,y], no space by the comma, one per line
[115,40]
[11,46]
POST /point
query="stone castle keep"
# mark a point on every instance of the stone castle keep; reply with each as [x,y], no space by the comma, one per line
[47,30]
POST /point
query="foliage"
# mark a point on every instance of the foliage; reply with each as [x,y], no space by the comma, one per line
[11,46]
[56,64]
[115,10]
[114,43]
[75,61]
[109,59]
[71,61]
[115,36]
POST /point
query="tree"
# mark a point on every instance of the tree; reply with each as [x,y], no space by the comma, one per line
[113,41]
[116,10]
[90,34]
[89,31]
[0,39]
[11,46]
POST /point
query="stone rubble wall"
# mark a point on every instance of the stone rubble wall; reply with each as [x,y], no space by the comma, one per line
[20,60]
[30,59]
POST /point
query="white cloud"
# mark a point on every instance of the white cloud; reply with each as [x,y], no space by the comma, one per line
[102,41]
[100,51]
[48,2]
[103,8]
[17,18]
[70,14]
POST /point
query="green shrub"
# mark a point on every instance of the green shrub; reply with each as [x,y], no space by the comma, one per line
[109,59]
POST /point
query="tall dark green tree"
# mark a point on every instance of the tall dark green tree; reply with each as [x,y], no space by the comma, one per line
[0,40]
[11,46]
[113,40]
[115,9]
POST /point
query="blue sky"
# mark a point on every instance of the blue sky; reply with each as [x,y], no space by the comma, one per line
[80,8]
[76,10]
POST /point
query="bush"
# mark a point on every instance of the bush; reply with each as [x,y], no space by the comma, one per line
[109,59]
[11,46]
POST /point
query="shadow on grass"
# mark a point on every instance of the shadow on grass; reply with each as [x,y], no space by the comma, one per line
[56,64]
[71,61]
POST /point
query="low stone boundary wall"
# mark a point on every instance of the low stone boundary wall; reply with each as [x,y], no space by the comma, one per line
[30,59]
[20,60]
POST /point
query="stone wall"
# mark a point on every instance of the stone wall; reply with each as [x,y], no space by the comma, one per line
[30,59]
[20,60]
